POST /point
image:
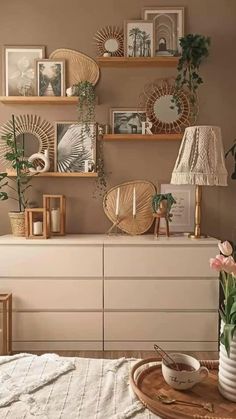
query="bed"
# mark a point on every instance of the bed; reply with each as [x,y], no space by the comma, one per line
[53,387]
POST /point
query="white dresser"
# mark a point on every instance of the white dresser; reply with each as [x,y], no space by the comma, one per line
[94,292]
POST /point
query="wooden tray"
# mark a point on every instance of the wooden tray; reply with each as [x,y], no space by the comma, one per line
[146,380]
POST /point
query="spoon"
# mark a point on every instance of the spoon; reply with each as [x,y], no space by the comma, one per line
[166,400]
[165,355]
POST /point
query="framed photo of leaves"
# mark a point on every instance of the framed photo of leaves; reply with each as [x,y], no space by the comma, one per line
[50,77]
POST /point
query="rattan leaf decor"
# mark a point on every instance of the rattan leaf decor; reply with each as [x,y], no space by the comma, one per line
[144,218]
[79,67]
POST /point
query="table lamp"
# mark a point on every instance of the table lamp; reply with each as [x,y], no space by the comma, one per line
[200,162]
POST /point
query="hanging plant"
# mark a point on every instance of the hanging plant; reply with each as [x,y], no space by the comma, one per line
[195,48]
[86,102]
[232,151]
[101,181]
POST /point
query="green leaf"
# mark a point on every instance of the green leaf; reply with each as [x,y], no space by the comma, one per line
[232,311]
[228,334]
[3,175]
[3,196]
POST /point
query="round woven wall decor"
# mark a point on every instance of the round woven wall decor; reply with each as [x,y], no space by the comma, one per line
[79,67]
[110,39]
[29,124]
[166,114]
[144,218]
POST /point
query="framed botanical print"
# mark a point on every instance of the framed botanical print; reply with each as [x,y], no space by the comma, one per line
[168,28]
[127,120]
[75,145]
[139,38]
[19,69]
[183,210]
[50,77]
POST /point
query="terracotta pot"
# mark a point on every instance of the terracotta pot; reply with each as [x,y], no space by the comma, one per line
[17,220]
[227,371]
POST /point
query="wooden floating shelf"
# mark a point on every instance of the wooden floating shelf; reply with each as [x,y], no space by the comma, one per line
[142,137]
[162,61]
[39,100]
[59,174]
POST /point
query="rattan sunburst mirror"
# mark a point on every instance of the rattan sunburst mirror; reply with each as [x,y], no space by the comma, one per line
[35,135]
[167,108]
[110,39]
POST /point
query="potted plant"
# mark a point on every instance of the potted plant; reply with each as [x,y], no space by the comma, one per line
[225,264]
[162,203]
[195,48]
[17,186]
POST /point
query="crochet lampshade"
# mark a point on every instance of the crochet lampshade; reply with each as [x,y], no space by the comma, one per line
[201,158]
[200,162]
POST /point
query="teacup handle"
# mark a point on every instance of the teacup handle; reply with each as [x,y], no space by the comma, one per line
[203,373]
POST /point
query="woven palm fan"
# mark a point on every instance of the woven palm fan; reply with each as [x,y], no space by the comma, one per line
[80,67]
[144,218]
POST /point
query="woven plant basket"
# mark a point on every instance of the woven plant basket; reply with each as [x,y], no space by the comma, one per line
[17,220]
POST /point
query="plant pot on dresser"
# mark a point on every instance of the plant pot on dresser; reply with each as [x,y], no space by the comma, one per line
[93,292]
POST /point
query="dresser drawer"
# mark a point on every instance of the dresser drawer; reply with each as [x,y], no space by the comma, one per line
[51,261]
[161,326]
[56,326]
[54,294]
[158,261]
[161,294]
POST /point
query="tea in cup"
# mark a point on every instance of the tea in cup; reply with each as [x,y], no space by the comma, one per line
[184,373]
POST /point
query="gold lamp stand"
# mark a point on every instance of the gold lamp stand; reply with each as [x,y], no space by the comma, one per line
[198,202]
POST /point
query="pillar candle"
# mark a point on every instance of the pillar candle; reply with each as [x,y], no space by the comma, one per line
[55,220]
[37,228]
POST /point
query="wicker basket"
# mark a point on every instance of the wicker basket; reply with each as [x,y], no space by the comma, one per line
[17,220]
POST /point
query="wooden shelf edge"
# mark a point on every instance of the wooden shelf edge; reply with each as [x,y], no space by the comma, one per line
[165,61]
[58,174]
[141,137]
[39,100]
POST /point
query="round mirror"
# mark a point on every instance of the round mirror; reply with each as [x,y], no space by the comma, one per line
[111,45]
[165,109]
[29,143]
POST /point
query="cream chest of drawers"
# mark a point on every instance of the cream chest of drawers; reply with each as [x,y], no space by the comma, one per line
[94,292]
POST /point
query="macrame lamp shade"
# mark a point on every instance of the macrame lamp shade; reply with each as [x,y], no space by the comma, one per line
[200,162]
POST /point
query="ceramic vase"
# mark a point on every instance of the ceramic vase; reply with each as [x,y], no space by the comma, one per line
[227,371]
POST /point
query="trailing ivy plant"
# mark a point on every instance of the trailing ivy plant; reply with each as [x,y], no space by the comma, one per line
[19,185]
[195,48]
[86,102]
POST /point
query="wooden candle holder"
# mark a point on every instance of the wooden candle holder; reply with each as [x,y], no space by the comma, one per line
[47,199]
[6,323]
[30,214]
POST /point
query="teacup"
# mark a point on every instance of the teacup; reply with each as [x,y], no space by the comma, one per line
[190,371]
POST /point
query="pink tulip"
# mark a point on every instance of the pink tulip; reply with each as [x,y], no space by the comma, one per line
[225,248]
[216,264]
[229,265]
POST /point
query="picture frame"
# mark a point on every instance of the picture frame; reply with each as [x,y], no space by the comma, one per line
[50,77]
[139,38]
[75,147]
[184,209]
[127,120]
[19,69]
[168,28]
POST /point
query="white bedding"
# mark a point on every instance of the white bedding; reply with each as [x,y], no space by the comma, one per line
[53,387]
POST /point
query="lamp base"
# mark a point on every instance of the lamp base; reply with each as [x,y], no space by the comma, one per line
[194,236]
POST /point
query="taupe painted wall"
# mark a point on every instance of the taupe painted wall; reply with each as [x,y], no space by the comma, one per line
[72,24]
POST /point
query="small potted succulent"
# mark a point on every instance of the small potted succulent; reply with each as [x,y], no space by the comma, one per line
[15,188]
[162,203]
